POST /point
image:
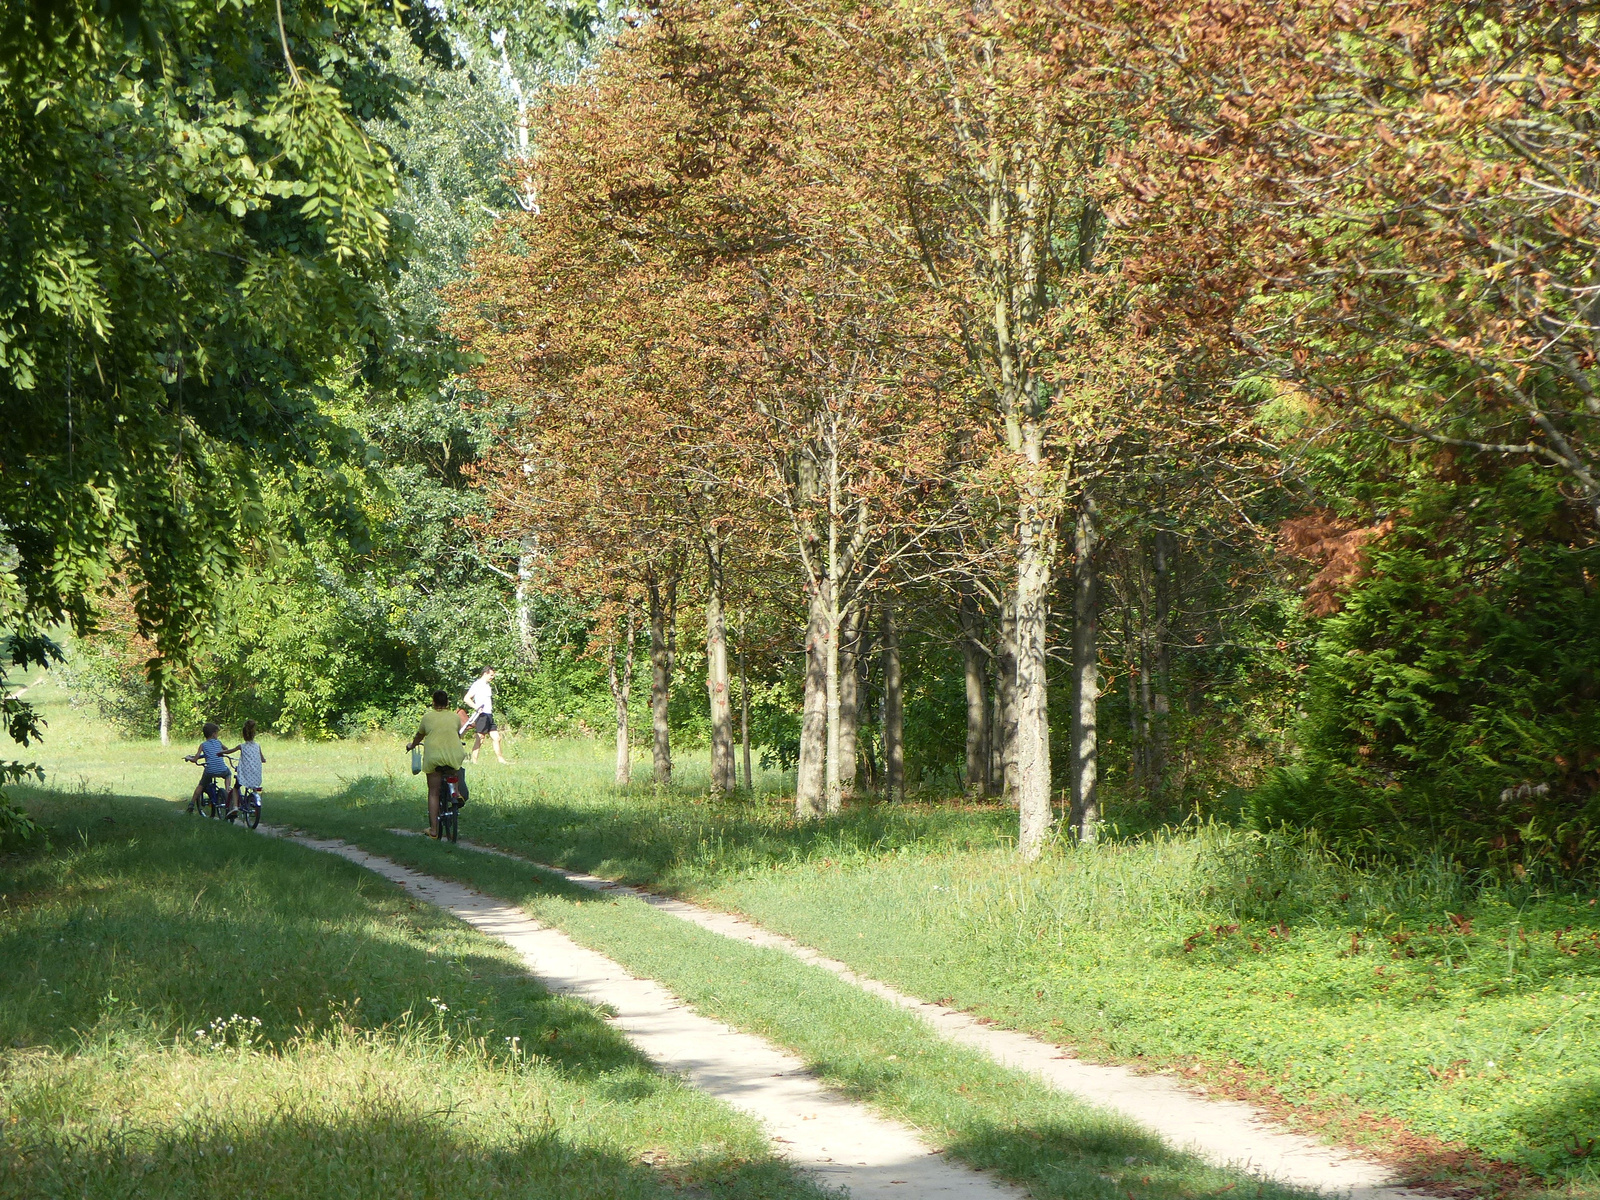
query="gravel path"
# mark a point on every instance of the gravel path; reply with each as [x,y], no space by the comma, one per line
[1227,1133]
[843,1144]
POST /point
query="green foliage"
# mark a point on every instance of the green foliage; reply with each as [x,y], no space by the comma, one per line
[1456,698]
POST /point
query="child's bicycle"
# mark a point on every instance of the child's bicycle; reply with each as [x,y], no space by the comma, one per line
[246,806]
[214,797]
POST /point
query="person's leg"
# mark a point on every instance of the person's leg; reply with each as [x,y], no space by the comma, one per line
[433,803]
[494,738]
[477,740]
[194,800]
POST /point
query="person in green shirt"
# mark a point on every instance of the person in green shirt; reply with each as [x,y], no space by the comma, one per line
[439,735]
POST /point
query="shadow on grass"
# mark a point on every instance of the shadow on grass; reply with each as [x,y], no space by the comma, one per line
[146,923]
[644,837]
[383,1152]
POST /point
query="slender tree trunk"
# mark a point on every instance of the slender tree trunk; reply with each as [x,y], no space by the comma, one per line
[1007,688]
[867,754]
[975,660]
[724,775]
[808,786]
[165,718]
[1035,560]
[744,711]
[1086,675]
[526,558]
[663,609]
[1161,635]
[894,750]
[997,770]
[621,693]
[849,699]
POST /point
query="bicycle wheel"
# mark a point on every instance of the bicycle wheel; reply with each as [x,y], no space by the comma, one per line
[252,812]
[447,826]
[208,802]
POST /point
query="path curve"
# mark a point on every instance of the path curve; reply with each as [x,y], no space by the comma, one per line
[1227,1133]
[842,1143]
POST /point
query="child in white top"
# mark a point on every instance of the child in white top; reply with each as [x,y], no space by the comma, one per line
[250,759]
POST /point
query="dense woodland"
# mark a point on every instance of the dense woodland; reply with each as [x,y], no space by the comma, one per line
[1129,411]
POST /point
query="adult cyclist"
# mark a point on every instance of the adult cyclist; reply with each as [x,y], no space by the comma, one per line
[440,738]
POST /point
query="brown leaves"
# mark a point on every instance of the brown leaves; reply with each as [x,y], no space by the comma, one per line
[1339,545]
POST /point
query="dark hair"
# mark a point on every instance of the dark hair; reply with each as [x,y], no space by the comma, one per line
[441,699]
[211,729]
[250,729]
[484,670]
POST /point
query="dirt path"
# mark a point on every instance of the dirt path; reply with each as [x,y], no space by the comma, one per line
[1228,1133]
[842,1143]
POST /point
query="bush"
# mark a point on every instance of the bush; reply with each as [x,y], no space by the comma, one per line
[1455,699]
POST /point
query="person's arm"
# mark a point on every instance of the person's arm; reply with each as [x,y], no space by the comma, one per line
[416,738]
[235,750]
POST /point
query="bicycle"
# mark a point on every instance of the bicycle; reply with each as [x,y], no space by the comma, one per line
[211,803]
[247,804]
[452,795]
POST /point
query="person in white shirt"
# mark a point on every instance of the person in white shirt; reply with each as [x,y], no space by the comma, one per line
[480,698]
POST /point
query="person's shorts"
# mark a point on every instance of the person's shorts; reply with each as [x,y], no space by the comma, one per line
[224,779]
[484,723]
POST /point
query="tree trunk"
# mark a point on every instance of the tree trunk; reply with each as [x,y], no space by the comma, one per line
[849,699]
[621,692]
[744,712]
[1086,675]
[1166,550]
[1035,559]
[894,751]
[663,610]
[809,801]
[976,662]
[997,771]
[526,558]
[724,775]
[1006,682]
[165,718]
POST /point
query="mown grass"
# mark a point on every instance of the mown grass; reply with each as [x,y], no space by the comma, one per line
[187,1010]
[1470,1014]
[987,1116]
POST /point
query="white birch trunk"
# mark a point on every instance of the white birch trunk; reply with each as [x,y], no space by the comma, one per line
[1035,557]
[1086,676]
[744,712]
[526,558]
[621,693]
[724,776]
[662,606]
[809,800]
[974,661]
[165,718]
[894,748]
[1006,735]
[849,699]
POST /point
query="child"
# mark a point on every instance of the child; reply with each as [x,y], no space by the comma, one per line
[216,767]
[250,762]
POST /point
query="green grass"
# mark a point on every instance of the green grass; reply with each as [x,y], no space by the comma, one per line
[188,1010]
[1408,993]
[961,1101]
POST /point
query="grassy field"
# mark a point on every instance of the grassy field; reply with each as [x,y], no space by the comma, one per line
[188,1011]
[1452,1017]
